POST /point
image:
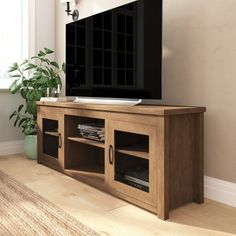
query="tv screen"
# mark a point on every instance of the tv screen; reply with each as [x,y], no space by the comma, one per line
[116,53]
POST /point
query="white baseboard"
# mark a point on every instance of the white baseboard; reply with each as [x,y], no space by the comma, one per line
[11,147]
[220,191]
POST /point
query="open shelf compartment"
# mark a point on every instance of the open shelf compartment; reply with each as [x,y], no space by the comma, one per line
[74,134]
[84,158]
[85,161]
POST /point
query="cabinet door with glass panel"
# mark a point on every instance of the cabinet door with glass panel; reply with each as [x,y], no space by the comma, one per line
[50,137]
[131,155]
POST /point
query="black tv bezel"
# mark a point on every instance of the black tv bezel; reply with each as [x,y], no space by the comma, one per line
[159,89]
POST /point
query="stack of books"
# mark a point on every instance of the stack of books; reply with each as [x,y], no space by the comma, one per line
[94,131]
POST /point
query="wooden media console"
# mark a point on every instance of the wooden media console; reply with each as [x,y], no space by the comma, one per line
[152,156]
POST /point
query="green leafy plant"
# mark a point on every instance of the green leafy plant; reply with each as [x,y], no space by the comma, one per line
[32,78]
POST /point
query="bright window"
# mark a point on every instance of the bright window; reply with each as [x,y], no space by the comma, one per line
[13,36]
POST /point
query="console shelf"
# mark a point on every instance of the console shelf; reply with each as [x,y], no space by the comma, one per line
[87,141]
[51,133]
[152,156]
[134,151]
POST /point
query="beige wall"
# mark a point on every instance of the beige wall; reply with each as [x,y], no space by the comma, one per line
[199,68]
[200,36]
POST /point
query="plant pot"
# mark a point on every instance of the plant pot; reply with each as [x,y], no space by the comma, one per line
[30,146]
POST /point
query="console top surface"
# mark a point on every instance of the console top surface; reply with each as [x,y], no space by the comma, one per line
[138,109]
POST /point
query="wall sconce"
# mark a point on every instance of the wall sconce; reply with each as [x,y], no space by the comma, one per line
[75,13]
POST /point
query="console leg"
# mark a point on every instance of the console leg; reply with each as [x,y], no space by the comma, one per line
[198,162]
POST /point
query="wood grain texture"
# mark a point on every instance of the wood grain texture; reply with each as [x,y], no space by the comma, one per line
[163,175]
[198,161]
[56,115]
[186,159]
[181,160]
[174,150]
[150,132]
[139,109]
[134,151]
[87,141]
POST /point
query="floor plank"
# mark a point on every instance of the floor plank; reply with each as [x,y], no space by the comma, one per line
[111,216]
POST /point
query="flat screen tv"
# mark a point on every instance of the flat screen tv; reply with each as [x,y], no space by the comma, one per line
[116,53]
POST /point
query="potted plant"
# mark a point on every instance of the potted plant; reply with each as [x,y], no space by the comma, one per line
[33,78]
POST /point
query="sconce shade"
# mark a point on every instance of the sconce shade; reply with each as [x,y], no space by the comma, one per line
[72,2]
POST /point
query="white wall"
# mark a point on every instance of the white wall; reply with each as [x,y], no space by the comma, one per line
[45,24]
[42,35]
[199,67]
[8,103]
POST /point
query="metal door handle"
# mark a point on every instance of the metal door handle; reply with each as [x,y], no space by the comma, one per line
[111,154]
[60,141]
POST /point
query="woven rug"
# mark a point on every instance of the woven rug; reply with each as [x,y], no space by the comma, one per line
[24,212]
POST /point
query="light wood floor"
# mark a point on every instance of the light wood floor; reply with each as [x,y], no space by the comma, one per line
[111,216]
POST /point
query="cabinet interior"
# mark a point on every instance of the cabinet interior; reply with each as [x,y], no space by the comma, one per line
[50,137]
